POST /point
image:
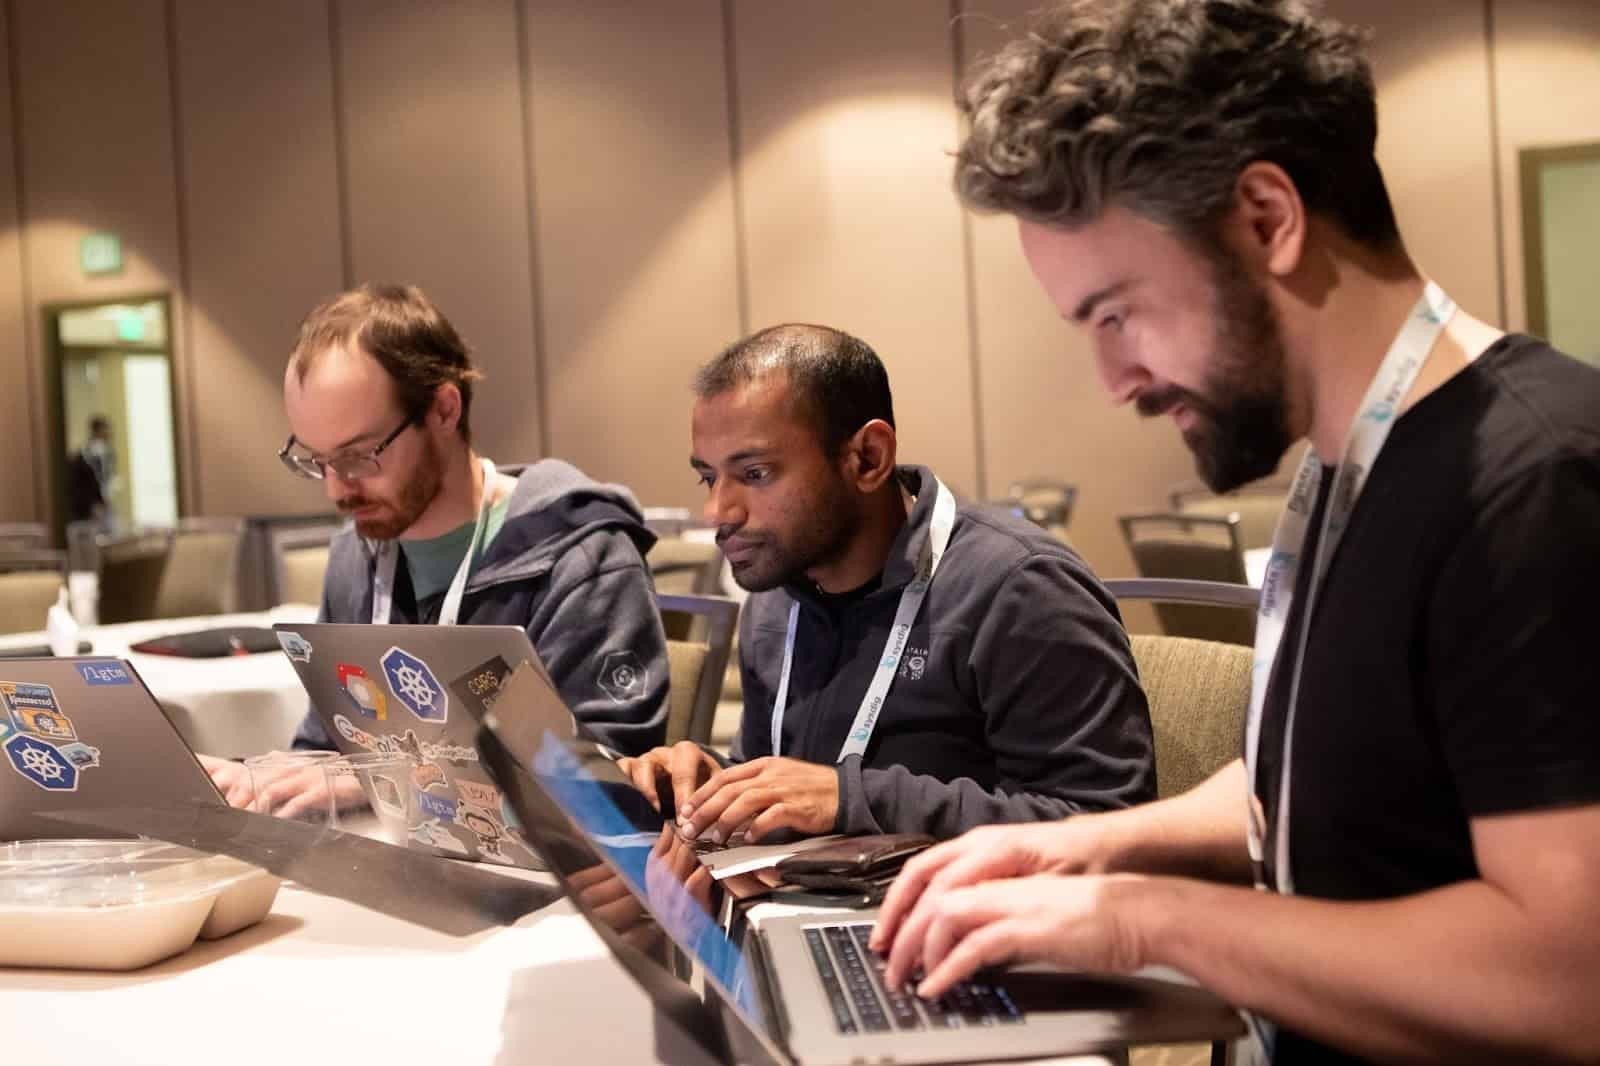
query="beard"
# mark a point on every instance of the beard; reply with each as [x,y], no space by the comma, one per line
[400,513]
[771,560]
[1240,428]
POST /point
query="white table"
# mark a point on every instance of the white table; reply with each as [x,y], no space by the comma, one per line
[232,706]
[323,980]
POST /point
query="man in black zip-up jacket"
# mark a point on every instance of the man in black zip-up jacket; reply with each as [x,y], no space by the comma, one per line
[1013,695]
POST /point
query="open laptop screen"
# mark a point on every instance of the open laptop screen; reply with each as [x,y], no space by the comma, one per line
[620,862]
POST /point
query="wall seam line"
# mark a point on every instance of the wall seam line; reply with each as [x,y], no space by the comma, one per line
[188,406]
[541,339]
[1497,160]
[341,150]
[741,245]
[32,352]
[969,274]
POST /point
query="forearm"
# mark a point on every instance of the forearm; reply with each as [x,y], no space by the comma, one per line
[1200,833]
[1456,974]
[894,800]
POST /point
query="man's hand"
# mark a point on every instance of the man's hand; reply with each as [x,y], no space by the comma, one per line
[1077,923]
[231,779]
[685,765]
[984,854]
[760,797]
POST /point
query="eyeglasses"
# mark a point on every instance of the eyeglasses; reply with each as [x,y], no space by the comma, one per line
[351,466]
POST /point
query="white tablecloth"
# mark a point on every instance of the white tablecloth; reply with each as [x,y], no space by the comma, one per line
[325,981]
[232,706]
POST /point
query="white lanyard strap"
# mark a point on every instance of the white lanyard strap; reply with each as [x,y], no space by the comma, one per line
[1366,438]
[389,554]
[855,743]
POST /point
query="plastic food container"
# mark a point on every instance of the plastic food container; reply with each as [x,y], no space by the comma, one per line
[120,904]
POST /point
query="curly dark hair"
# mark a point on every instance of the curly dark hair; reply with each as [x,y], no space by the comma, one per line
[405,332]
[1159,105]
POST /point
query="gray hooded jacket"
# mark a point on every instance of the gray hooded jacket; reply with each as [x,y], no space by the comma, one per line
[568,566]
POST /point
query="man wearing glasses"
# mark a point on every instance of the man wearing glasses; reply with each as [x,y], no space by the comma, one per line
[379,392]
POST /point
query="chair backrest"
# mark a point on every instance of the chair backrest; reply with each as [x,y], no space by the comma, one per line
[1257,508]
[299,557]
[202,572]
[1195,548]
[1198,690]
[130,575]
[696,681]
[684,568]
[23,536]
[29,583]
[1045,502]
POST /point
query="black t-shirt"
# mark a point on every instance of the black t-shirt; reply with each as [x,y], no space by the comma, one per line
[1451,670]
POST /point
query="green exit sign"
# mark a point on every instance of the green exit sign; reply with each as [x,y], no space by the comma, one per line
[100,253]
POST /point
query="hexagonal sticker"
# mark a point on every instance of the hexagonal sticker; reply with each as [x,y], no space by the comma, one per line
[414,685]
[41,763]
[623,677]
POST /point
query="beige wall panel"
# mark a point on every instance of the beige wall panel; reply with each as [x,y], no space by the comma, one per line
[845,124]
[17,473]
[1430,60]
[438,193]
[261,210]
[635,225]
[1045,411]
[96,147]
[1547,72]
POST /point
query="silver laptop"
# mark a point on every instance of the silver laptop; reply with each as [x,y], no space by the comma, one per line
[800,989]
[77,734]
[408,689]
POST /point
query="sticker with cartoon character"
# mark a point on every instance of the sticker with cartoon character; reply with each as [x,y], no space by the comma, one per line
[488,832]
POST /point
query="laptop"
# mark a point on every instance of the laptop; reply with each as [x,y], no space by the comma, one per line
[409,689]
[77,734]
[799,989]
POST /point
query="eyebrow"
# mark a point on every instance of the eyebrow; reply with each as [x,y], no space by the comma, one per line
[1087,305]
[737,457]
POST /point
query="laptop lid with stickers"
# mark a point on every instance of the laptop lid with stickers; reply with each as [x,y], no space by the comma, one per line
[77,734]
[408,689]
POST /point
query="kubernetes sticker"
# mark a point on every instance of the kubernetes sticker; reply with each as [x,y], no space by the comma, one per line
[42,763]
[111,673]
[295,646]
[367,696]
[414,685]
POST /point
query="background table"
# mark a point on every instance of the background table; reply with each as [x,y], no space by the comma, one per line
[232,706]
[322,980]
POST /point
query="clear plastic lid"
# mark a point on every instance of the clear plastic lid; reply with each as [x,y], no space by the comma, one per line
[38,874]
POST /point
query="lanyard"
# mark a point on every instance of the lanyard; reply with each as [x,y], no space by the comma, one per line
[389,554]
[944,520]
[1366,438]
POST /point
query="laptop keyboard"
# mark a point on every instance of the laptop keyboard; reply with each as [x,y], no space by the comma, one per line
[852,978]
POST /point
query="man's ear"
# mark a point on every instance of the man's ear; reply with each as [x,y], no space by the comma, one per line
[445,412]
[870,456]
[1269,219]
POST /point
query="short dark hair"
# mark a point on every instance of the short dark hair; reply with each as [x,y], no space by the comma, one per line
[99,422]
[1159,105]
[409,337]
[838,382]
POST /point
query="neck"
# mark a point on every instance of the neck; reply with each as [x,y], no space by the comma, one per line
[868,551]
[461,491]
[1348,320]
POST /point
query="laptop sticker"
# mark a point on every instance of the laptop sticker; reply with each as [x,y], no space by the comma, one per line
[295,646]
[479,794]
[367,696]
[427,775]
[413,684]
[479,687]
[33,709]
[486,829]
[430,833]
[438,807]
[387,797]
[105,674]
[42,763]
[80,754]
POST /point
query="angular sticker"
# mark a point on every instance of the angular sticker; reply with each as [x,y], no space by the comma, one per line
[105,673]
[363,692]
[414,685]
[295,646]
[42,763]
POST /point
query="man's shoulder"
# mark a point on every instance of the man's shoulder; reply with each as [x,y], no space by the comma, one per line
[992,543]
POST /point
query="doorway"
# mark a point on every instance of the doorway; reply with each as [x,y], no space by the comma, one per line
[114,454]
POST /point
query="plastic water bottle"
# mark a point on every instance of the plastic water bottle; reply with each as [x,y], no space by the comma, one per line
[61,629]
